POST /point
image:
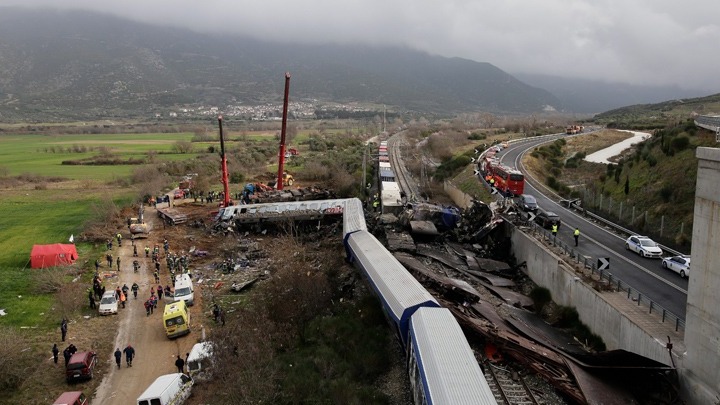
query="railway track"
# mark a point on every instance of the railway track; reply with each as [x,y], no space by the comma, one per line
[509,387]
[402,177]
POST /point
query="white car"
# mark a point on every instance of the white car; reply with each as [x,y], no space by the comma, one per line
[643,246]
[108,304]
[678,264]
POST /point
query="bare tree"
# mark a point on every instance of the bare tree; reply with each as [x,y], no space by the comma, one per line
[182,147]
[16,362]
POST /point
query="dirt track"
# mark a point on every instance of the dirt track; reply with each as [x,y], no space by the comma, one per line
[155,353]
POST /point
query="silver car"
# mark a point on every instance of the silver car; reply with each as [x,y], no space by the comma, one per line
[108,304]
[678,264]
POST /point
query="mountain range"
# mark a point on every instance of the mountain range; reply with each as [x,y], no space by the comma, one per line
[61,65]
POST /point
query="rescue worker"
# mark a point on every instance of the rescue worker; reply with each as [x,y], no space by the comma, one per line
[118,356]
[554,230]
[216,312]
[179,363]
[129,354]
[135,251]
[376,203]
[160,291]
[55,352]
[125,289]
[63,329]
[492,182]
[576,235]
[123,298]
[147,251]
[91,298]
[118,262]
[135,287]
[119,239]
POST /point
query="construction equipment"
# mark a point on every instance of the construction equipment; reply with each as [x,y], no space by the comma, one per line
[288,179]
[223,166]
[281,179]
[138,227]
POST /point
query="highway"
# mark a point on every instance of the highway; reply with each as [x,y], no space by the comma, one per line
[644,275]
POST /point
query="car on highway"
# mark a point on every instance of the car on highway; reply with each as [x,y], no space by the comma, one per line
[678,264]
[528,203]
[547,219]
[643,246]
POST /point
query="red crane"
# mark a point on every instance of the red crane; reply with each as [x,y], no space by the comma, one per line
[281,157]
[223,166]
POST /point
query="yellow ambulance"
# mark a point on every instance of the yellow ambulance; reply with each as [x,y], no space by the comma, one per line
[176,319]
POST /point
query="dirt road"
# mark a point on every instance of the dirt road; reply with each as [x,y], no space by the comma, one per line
[155,354]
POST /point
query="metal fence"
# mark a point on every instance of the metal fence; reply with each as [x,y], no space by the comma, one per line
[667,230]
[608,281]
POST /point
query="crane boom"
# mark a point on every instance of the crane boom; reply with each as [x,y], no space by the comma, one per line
[281,153]
[223,167]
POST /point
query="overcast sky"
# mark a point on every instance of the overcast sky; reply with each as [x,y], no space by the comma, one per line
[644,42]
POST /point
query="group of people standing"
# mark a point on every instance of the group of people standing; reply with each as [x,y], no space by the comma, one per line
[157,291]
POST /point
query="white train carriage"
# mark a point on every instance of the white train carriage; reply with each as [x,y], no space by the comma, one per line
[442,367]
[399,292]
[390,199]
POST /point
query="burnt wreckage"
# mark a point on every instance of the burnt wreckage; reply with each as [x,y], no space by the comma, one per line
[456,254]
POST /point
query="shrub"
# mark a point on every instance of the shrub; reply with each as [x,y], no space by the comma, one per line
[475,136]
[182,147]
[666,193]
[680,143]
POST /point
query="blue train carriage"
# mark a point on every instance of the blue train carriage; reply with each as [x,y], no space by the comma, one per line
[399,292]
[442,367]
[385,172]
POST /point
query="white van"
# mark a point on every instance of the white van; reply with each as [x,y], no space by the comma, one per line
[184,289]
[167,389]
[199,360]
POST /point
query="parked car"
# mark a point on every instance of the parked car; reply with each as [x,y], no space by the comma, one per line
[80,366]
[108,304]
[179,194]
[528,203]
[678,264]
[547,219]
[71,398]
[643,246]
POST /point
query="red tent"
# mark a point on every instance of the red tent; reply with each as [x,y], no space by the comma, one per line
[57,254]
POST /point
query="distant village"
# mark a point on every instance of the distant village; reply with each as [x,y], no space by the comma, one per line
[266,112]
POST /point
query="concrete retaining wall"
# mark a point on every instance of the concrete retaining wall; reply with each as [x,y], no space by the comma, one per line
[459,197]
[616,329]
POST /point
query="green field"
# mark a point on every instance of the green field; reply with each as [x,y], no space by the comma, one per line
[35,217]
[44,154]
[50,213]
